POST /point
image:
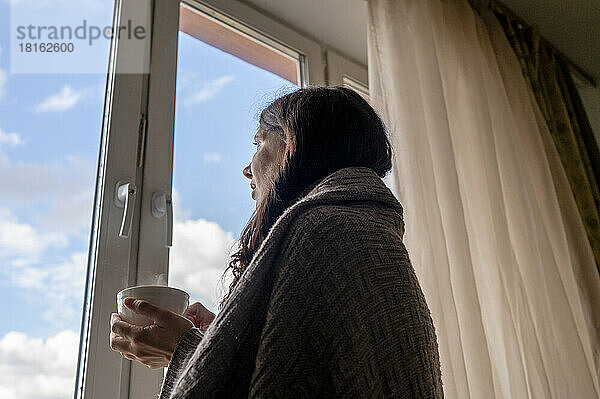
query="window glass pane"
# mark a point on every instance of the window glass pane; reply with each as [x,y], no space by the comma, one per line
[218,99]
[50,127]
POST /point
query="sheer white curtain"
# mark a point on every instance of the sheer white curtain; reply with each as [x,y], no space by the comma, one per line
[491,226]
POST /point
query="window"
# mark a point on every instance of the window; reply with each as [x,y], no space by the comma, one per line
[342,71]
[189,123]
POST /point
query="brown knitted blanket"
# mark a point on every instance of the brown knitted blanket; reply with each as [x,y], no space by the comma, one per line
[330,306]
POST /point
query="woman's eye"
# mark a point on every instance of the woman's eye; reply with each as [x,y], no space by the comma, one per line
[255,143]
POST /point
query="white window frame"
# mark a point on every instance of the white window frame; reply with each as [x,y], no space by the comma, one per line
[342,71]
[102,372]
[271,32]
[137,147]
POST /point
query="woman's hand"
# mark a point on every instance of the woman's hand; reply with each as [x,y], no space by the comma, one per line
[152,345]
[200,316]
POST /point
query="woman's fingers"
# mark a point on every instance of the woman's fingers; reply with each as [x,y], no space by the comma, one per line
[141,353]
[117,325]
[147,309]
[152,343]
[125,329]
[122,345]
[135,343]
[119,344]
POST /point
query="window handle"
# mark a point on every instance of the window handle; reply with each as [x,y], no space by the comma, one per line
[125,198]
[161,206]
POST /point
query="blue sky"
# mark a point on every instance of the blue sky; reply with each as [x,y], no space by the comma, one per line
[49,137]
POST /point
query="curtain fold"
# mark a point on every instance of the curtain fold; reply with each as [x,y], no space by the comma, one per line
[512,287]
[559,102]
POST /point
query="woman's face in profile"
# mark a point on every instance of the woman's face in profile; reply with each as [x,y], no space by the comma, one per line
[265,163]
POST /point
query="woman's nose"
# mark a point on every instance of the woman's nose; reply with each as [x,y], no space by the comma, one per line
[247,172]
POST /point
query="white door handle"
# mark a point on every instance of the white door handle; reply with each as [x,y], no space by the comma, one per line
[125,198]
[161,206]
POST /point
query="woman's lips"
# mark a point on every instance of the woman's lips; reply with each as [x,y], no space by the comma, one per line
[252,194]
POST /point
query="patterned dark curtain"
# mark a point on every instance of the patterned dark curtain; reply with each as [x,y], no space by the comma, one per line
[558,99]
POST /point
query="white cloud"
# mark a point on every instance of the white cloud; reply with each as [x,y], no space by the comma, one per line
[198,258]
[71,214]
[58,196]
[11,139]
[206,90]
[63,286]
[55,289]
[67,98]
[212,157]
[32,368]
[22,243]
[28,182]
[180,214]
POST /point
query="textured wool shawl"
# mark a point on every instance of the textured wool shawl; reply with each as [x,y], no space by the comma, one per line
[329,306]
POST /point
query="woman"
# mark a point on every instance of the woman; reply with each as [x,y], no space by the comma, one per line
[324,301]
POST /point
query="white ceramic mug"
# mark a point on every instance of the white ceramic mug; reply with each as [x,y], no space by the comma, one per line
[173,299]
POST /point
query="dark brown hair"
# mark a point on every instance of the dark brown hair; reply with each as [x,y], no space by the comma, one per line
[325,129]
